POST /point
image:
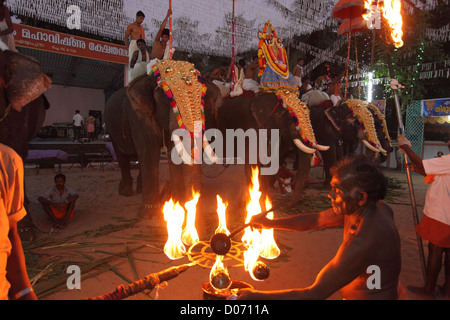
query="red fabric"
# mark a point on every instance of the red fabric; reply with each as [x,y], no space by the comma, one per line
[436,232]
[326,104]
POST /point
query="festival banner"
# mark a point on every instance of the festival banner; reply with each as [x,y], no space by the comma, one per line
[57,42]
[436,107]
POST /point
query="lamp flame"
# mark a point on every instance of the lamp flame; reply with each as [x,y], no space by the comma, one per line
[219,276]
[221,210]
[174,216]
[190,235]
[269,249]
[259,243]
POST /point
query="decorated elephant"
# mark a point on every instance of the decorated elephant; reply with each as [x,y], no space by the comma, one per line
[22,109]
[344,126]
[142,118]
[271,111]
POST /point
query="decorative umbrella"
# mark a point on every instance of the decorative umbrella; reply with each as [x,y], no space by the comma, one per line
[350,11]
[349,26]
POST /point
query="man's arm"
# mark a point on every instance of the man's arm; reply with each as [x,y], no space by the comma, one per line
[348,264]
[134,59]
[16,269]
[301,222]
[163,25]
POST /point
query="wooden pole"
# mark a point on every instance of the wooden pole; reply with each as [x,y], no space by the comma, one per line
[147,283]
[233,51]
[401,129]
[170,31]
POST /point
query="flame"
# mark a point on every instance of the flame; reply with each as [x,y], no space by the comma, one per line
[190,235]
[253,208]
[221,209]
[258,243]
[174,216]
[391,10]
[219,275]
[269,249]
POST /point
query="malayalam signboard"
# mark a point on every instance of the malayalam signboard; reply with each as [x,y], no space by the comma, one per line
[57,42]
[436,107]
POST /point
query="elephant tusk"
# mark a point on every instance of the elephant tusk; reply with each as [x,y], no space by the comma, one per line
[209,151]
[369,146]
[383,152]
[322,148]
[302,147]
[187,159]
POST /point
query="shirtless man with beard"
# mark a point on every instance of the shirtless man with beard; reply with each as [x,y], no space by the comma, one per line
[370,238]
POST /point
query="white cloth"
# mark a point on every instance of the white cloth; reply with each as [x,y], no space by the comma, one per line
[132,47]
[12,209]
[437,201]
[78,119]
[335,99]
[53,194]
[250,85]
[298,81]
[140,67]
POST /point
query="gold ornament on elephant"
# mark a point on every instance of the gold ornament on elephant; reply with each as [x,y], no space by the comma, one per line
[364,116]
[181,77]
[296,107]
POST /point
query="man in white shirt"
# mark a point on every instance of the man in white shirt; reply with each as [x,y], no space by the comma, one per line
[77,121]
[435,224]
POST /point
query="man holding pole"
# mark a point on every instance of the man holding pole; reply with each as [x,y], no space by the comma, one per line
[160,49]
[435,225]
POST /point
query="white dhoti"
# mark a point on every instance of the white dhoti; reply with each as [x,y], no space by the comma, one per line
[250,85]
[298,81]
[223,87]
[140,67]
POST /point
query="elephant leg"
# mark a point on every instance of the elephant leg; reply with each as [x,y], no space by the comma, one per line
[139,181]
[330,158]
[126,181]
[304,166]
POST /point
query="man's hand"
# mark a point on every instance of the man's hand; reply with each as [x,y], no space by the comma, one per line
[260,220]
[403,141]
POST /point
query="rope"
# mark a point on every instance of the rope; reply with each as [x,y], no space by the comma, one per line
[348,61]
[357,69]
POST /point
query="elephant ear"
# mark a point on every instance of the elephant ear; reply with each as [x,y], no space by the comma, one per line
[337,115]
[25,81]
[264,111]
[140,93]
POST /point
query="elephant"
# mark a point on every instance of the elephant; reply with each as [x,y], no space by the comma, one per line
[342,127]
[22,110]
[268,111]
[142,118]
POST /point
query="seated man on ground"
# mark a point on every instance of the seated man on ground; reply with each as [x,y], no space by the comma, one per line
[59,202]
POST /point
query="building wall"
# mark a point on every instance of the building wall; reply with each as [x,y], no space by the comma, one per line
[65,100]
